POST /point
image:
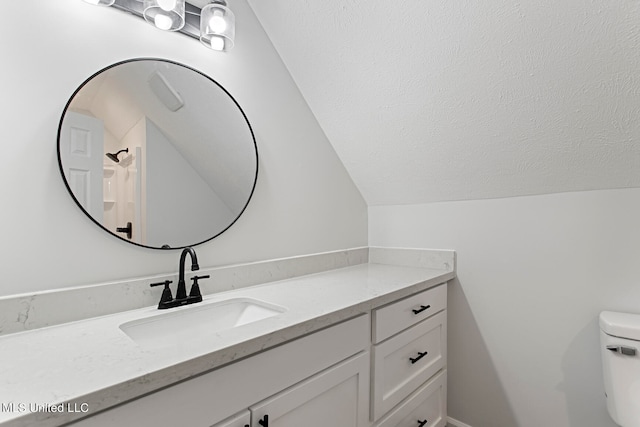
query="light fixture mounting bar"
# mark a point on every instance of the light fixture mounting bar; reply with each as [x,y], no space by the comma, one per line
[192,16]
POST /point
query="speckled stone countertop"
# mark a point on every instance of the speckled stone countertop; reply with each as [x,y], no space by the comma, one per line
[91,365]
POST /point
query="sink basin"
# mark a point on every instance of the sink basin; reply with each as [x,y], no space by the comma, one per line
[197,322]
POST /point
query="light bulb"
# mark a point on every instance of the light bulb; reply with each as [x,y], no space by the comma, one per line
[163,22]
[167,5]
[217,43]
[217,23]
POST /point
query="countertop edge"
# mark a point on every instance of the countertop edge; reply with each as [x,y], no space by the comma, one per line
[105,398]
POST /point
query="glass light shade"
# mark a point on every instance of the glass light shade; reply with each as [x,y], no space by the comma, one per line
[101,2]
[164,14]
[217,27]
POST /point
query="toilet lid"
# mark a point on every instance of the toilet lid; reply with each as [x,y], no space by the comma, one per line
[622,325]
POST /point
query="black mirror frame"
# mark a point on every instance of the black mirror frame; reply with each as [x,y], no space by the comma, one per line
[66,107]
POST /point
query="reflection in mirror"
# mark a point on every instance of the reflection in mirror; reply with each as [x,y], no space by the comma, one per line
[157,153]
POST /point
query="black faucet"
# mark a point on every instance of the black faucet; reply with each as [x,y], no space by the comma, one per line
[167,301]
[181,292]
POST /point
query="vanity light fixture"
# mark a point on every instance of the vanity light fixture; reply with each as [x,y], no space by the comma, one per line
[217,26]
[164,14]
[214,25]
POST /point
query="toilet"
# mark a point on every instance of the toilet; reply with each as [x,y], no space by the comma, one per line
[620,350]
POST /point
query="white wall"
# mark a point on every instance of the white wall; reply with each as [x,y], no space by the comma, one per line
[304,200]
[533,274]
[194,209]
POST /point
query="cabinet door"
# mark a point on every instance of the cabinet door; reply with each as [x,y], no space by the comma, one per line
[336,397]
[243,419]
[216,395]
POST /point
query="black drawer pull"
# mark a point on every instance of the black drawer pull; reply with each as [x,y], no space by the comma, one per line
[246,425]
[422,423]
[422,308]
[264,422]
[420,356]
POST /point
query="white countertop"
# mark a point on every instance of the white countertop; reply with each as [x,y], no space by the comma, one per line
[91,364]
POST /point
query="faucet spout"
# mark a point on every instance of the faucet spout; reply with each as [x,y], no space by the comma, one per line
[181,292]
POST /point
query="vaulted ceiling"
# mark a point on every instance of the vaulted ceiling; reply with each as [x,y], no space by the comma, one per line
[432,100]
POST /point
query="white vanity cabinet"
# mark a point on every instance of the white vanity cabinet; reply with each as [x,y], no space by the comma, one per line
[410,350]
[383,369]
[336,397]
[302,379]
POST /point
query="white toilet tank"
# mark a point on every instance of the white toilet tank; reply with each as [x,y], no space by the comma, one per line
[620,349]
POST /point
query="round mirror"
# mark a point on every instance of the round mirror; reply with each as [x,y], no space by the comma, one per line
[157,153]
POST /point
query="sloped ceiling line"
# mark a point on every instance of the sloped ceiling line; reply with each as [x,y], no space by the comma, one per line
[427,101]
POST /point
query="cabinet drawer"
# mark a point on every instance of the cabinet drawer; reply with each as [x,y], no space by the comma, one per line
[400,315]
[426,407]
[407,360]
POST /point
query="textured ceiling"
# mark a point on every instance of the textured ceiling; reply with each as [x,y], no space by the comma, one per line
[451,100]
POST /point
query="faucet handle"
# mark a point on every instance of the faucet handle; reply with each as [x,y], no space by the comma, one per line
[195,288]
[166,293]
[165,283]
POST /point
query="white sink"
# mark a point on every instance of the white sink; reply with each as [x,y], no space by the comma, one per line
[197,322]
